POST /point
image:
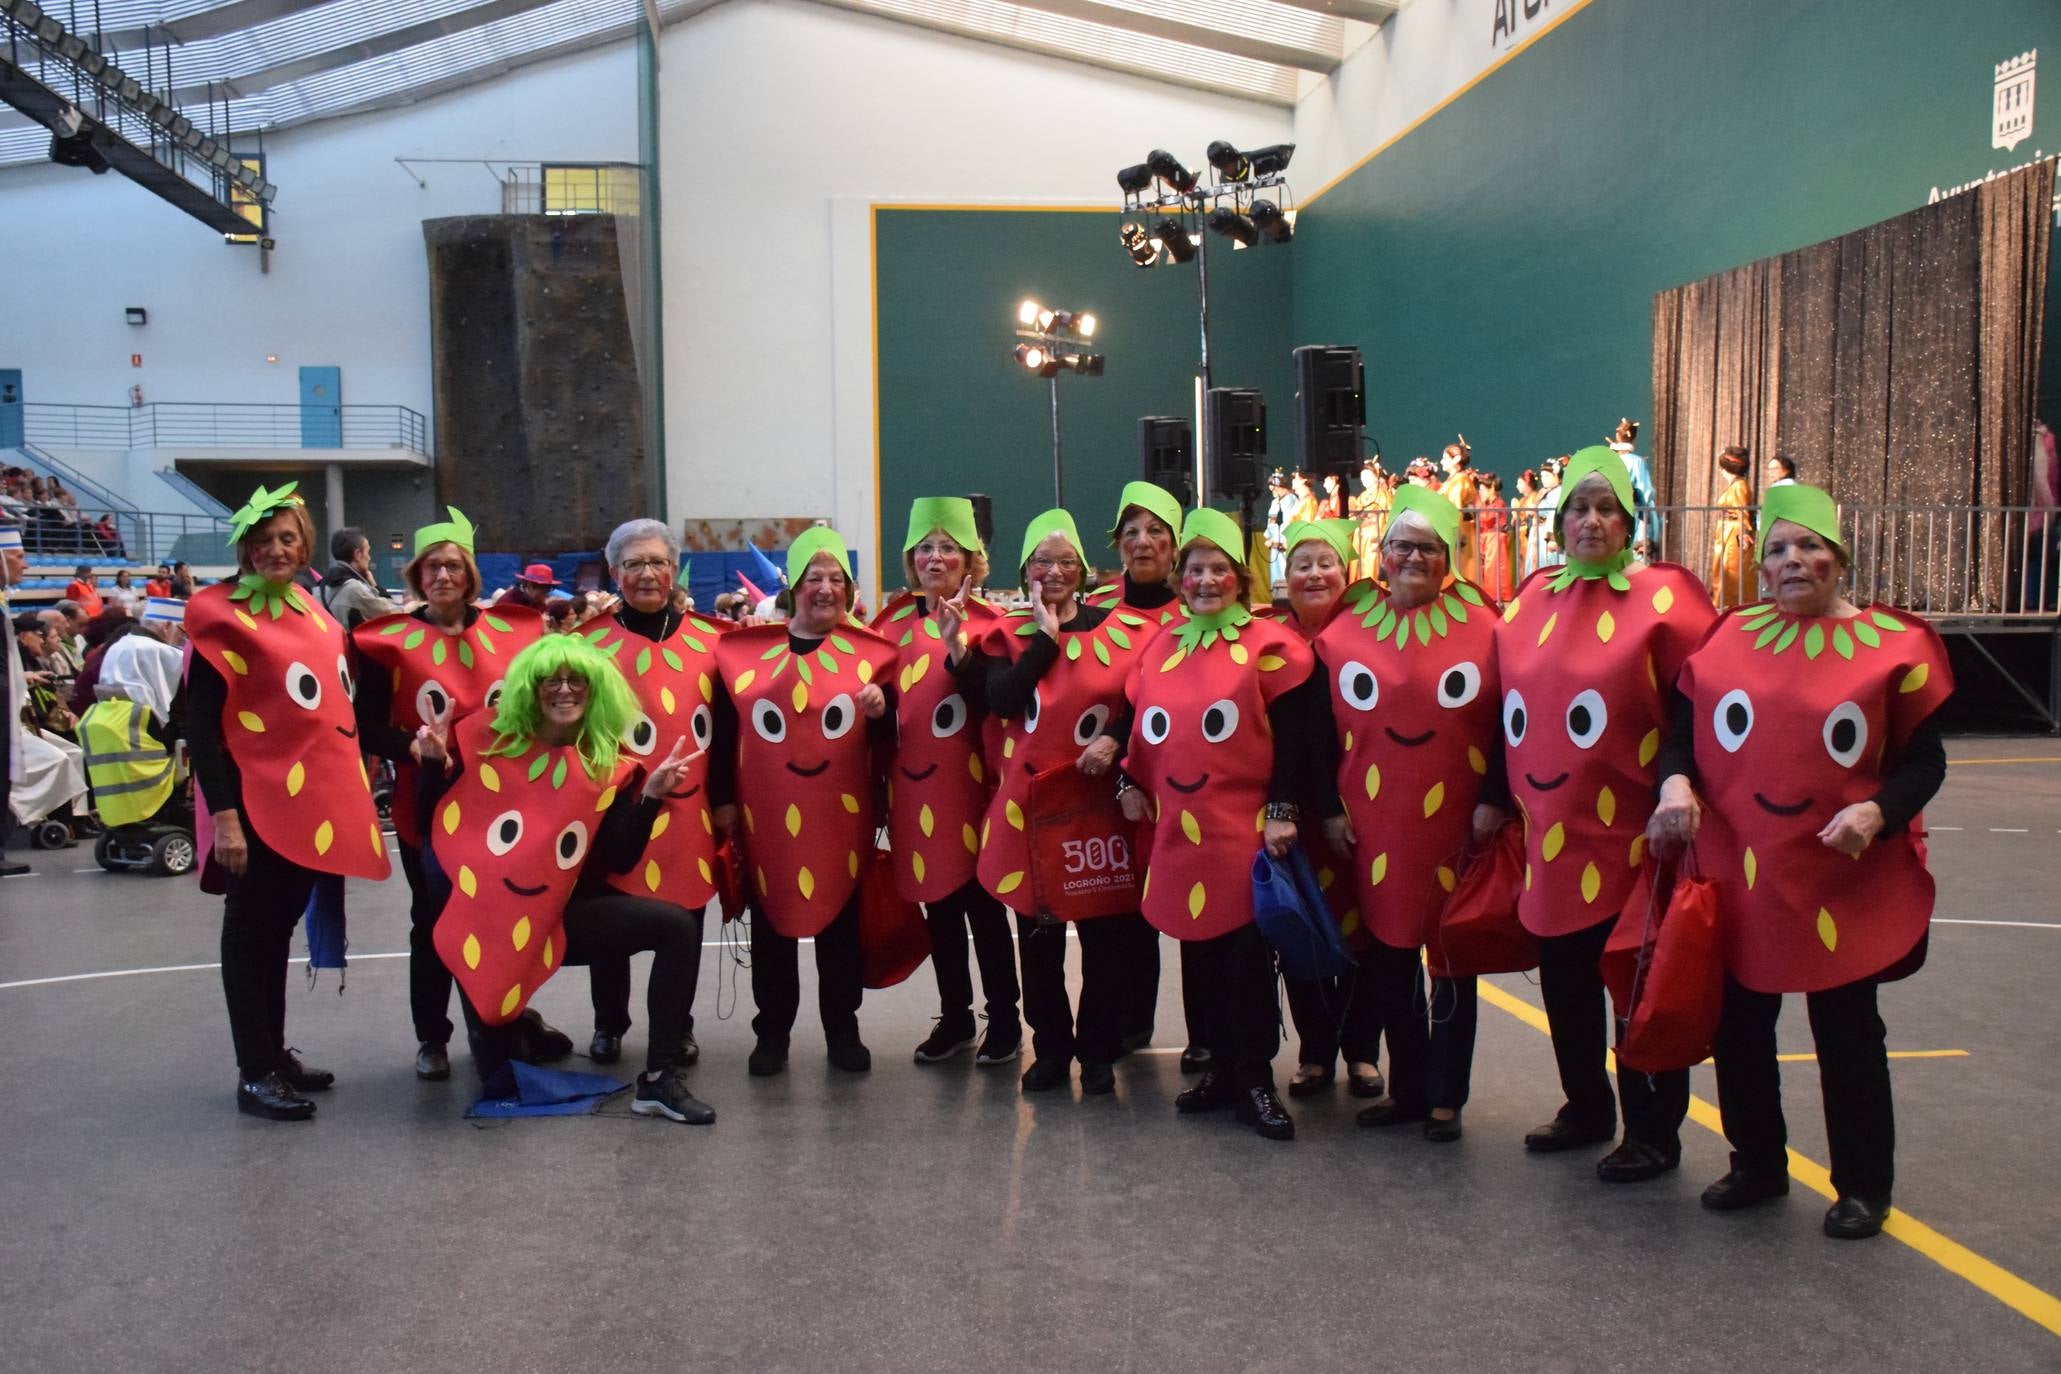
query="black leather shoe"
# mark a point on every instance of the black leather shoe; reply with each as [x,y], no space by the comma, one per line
[1389,1113]
[1636,1161]
[1046,1074]
[539,1042]
[1260,1109]
[1563,1133]
[1442,1132]
[605,1048]
[1856,1218]
[850,1056]
[1195,1059]
[432,1062]
[1368,1085]
[1097,1079]
[1213,1092]
[1316,1080]
[1135,1040]
[768,1057]
[690,1050]
[1743,1188]
[273,1098]
[301,1078]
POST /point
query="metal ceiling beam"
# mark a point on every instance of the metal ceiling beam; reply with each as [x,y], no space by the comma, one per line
[1196,35]
[1365,11]
[208,23]
[379,45]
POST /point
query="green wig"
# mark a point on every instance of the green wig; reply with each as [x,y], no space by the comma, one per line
[611,707]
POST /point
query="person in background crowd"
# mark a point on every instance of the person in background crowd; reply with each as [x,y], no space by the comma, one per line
[1731,544]
[531,589]
[1462,487]
[84,588]
[1331,505]
[1779,471]
[67,620]
[103,630]
[348,590]
[1370,506]
[1645,529]
[1281,504]
[14,690]
[557,614]
[125,595]
[1493,532]
[1546,549]
[160,583]
[1524,524]
[1305,499]
[182,581]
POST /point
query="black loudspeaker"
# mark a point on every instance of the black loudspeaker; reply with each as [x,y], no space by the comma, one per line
[1330,409]
[983,517]
[1166,454]
[1236,421]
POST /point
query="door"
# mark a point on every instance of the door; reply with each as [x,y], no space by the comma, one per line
[321,407]
[10,407]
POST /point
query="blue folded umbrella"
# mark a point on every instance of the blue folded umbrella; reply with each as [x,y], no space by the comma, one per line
[519,1089]
[1291,912]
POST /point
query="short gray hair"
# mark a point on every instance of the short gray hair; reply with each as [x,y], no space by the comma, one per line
[69,609]
[630,531]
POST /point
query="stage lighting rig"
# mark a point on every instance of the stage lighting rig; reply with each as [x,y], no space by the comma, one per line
[1273,225]
[1233,226]
[1051,342]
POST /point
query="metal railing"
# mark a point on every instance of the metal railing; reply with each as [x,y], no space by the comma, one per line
[231,424]
[82,485]
[122,536]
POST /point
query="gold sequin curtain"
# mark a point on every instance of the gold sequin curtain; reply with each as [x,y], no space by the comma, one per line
[1897,365]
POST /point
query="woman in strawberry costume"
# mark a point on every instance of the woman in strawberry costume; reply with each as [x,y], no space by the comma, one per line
[1800,757]
[275,752]
[813,714]
[1226,744]
[528,810]
[1587,655]
[442,661]
[1411,677]
[940,782]
[1053,673]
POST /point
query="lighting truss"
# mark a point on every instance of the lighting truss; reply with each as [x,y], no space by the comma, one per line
[1167,206]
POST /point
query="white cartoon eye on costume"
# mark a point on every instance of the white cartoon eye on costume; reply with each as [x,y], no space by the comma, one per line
[504,832]
[303,686]
[1846,734]
[703,724]
[1156,725]
[432,702]
[1587,718]
[1090,724]
[1220,720]
[1459,685]
[1514,717]
[642,736]
[949,718]
[1030,713]
[1358,686]
[494,694]
[343,675]
[838,715]
[571,845]
[1732,720]
[767,720]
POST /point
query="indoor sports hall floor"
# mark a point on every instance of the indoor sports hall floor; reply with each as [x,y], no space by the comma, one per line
[932,1218]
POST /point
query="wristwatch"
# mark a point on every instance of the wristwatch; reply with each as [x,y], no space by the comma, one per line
[1284,811]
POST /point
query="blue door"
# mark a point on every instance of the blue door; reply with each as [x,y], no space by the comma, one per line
[10,407]
[321,407]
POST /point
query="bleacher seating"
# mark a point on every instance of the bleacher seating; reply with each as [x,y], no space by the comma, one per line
[49,574]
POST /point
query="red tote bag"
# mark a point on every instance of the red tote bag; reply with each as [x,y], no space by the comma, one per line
[1664,965]
[893,938]
[1478,930]
[729,880]
[1084,860]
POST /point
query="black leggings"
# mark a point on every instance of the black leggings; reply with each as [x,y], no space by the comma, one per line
[949,918]
[1233,978]
[429,982]
[259,912]
[776,977]
[1056,1034]
[1335,1016]
[1578,1016]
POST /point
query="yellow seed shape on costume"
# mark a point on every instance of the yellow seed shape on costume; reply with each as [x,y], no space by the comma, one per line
[1191,827]
[851,803]
[1373,780]
[550,955]
[1663,599]
[451,819]
[1510,611]
[668,700]
[1527,877]
[1270,663]
[926,821]
[652,876]
[1434,799]
[1477,761]
[851,862]
[1549,848]
[1238,654]
[1652,676]
[1196,897]
[520,936]
[1638,854]
[751,822]
[708,875]
[1752,869]
[1547,629]
[364,776]
[488,778]
[512,1000]
[1259,818]
[806,881]
[1648,747]
[916,865]
[1325,877]
[800,697]
[665,818]
[1378,870]
[1606,807]
[1010,882]
[973,767]
[969,839]
[1349,922]
[296,776]
[467,883]
[471,951]
[759,876]
[248,623]
[1348,741]
[1145,888]
[865,671]
[1913,680]
[378,840]
[1606,626]
[325,836]
[1008,748]
[987,824]
[708,688]
[1447,879]
[793,819]
[235,662]
[249,720]
[744,681]
[1592,882]
[1828,932]
[1014,813]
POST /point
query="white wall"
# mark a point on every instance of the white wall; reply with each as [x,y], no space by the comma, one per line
[812,113]
[349,284]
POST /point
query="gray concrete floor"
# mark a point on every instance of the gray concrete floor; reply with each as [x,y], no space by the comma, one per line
[932,1218]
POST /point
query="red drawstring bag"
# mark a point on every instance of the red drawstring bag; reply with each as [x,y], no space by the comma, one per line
[1084,860]
[893,938]
[1478,930]
[1665,967]
[729,880]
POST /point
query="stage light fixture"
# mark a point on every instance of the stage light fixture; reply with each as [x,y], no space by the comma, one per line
[93,64]
[192,138]
[180,126]
[1231,164]
[1168,169]
[48,29]
[1087,364]
[71,47]
[1031,356]
[25,12]
[1234,226]
[1173,237]
[1084,325]
[1271,160]
[222,158]
[1142,247]
[1268,219]
[1134,180]
[131,90]
[1027,313]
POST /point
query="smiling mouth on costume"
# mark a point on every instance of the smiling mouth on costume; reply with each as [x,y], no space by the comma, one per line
[1774,809]
[1545,786]
[519,891]
[351,733]
[927,770]
[802,772]
[1189,788]
[684,793]
[1410,741]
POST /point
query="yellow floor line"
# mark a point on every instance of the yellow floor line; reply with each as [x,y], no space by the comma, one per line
[1893,1054]
[1978,763]
[1957,1259]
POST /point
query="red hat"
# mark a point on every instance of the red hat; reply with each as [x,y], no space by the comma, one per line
[539,573]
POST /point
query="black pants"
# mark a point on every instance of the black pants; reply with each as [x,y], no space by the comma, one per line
[1233,978]
[1578,1014]
[1139,978]
[609,985]
[1455,1012]
[950,917]
[1853,1071]
[429,982]
[1395,978]
[259,912]
[612,926]
[776,977]
[1334,1015]
[1094,1036]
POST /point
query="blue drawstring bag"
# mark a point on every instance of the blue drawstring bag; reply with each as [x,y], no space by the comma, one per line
[1292,914]
[518,1089]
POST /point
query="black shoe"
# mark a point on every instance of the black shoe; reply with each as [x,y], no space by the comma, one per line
[1097,1079]
[1302,1085]
[539,1042]
[1636,1161]
[1856,1218]
[432,1062]
[1046,1074]
[301,1078]
[1195,1059]
[272,1097]
[947,1041]
[690,1050]
[1389,1113]
[8,870]
[1742,1188]
[1212,1092]
[1566,1133]
[768,1057]
[666,1095]
[850,1055]
[1442,1132]
[1370,1085]
[1001,1045]
[1135,1040]
[605,1048]
[1262,1110]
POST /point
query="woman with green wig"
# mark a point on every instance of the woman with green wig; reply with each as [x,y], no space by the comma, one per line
[529,809]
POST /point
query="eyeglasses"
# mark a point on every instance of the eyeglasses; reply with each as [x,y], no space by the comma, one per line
[1403,548]
[563,686]
[648,567]
[1043,564]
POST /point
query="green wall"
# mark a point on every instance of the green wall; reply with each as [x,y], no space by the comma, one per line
[1498,264]
[957,413]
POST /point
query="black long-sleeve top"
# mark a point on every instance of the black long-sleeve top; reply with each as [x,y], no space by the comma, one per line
[374,703]
[207,749]
[618,842]
[1145,596]
[722,747]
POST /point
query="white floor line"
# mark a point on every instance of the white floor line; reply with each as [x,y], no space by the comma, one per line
[1949,921]
[2006,830]
[1942,827]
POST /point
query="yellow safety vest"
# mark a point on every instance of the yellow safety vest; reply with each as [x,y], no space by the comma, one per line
[129,770]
